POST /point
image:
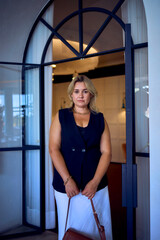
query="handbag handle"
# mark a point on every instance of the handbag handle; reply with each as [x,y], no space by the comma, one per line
[100,227]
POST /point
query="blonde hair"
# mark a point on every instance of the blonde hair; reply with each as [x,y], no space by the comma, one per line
[90,87]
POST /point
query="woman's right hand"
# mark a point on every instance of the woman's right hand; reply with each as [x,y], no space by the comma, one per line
[71,188]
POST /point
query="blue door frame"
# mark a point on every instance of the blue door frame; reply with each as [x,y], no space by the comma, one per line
[129,170]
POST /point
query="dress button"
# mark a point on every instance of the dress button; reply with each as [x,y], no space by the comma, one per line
[83,150]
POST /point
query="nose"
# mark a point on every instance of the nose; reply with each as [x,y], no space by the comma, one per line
[81,94]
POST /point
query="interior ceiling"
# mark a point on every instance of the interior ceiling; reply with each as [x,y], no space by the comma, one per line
[111,37]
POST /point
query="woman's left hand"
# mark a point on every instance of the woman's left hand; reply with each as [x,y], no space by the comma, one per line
[90,189]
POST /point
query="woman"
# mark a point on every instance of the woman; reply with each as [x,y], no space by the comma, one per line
[80,148]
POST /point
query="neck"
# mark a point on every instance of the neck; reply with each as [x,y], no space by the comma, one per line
[82,112]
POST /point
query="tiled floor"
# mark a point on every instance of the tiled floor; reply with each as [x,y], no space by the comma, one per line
[48,235]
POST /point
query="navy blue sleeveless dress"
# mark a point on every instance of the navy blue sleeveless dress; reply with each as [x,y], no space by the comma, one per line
[80,148]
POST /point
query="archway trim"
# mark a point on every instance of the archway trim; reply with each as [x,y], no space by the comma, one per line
[79,12]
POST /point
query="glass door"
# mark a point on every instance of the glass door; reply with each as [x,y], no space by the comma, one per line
[20,167]
[31,154]
[11,125]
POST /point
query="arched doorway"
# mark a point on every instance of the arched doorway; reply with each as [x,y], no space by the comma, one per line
[129,169]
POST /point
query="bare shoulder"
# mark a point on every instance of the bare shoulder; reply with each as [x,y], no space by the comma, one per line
[105,145]
[106,132]
[55,119]
[55,133]
[55,123]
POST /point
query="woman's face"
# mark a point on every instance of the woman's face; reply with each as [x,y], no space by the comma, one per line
[81,96]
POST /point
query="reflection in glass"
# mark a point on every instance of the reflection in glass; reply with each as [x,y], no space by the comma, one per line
[10,191]
[12,103]
[35,56]
[141,101]
[32,182]
[39,38]
[32,107]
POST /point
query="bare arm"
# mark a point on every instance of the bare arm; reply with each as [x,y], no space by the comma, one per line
[105,147]
[57,158]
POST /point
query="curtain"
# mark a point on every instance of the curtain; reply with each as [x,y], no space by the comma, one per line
[34,55]
[133,13]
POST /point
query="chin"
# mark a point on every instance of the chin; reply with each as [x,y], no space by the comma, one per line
[81,104]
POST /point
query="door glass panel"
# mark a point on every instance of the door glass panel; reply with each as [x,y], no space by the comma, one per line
[133,12]
[10,191]
[32,184]
[39,38]
[61,51]
[68,69]
[141,100]
[12,103]
[70,30]
[100,4]
[62,11]
[37,42]
[105,40]
[32,131]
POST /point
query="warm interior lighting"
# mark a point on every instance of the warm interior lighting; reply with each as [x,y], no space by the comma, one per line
[53,65]
[61,51]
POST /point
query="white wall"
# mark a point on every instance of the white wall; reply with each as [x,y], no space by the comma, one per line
[111,91]
[153,20]
[16,18]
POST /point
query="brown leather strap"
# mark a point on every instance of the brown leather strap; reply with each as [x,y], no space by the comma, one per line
[100,227]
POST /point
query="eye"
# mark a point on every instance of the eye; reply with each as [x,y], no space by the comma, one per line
[85,91]
[76,91]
